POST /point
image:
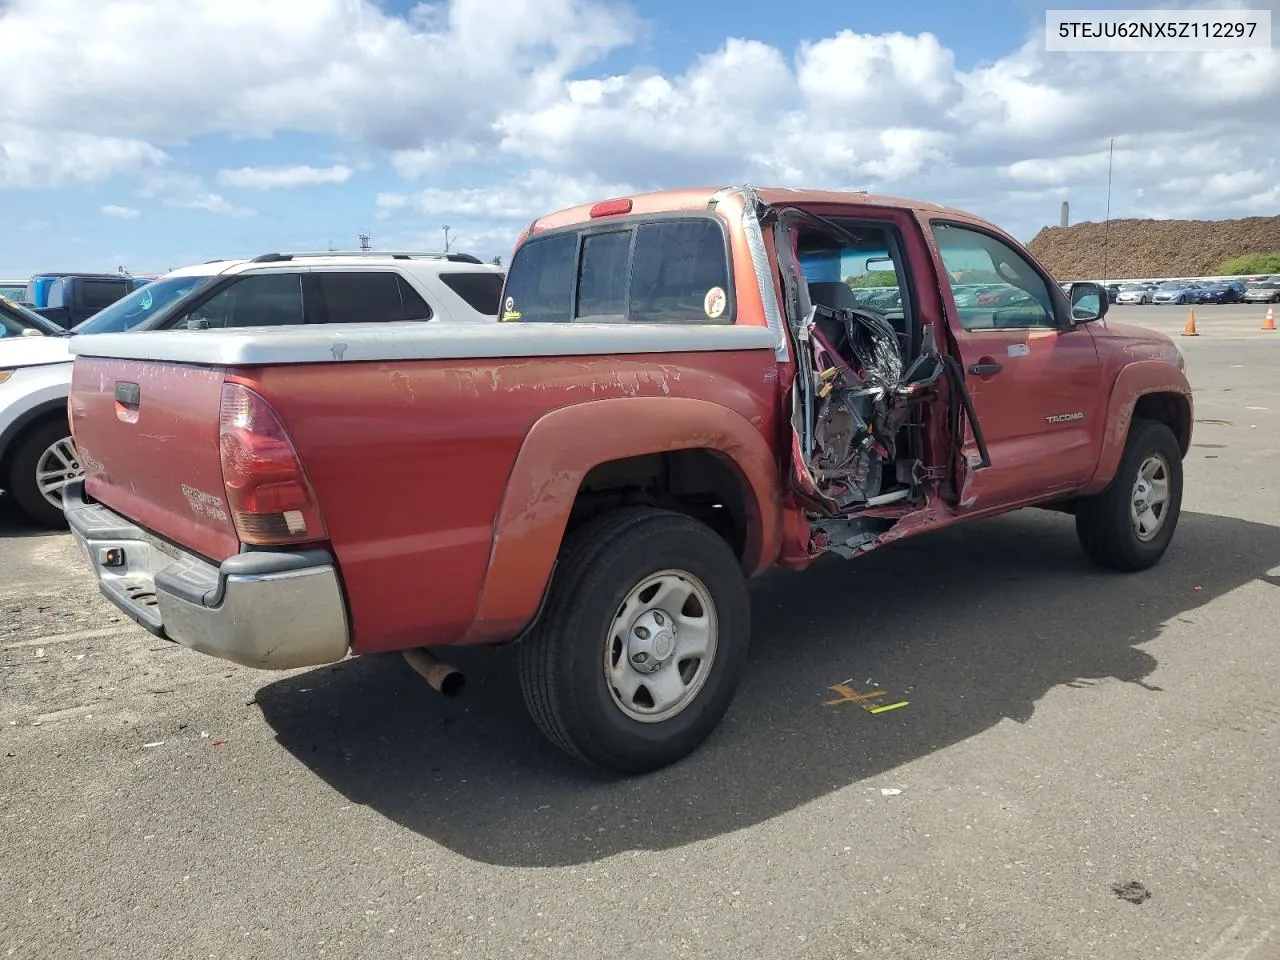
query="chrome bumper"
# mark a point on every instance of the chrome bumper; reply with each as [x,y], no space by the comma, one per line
[270,610]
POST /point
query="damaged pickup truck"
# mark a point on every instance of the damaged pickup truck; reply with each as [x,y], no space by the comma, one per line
[684,389]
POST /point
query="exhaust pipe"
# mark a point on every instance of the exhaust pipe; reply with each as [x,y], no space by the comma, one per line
[444,679]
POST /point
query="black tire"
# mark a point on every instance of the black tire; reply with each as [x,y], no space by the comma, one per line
[22,483]
[1103,522]
[562,661]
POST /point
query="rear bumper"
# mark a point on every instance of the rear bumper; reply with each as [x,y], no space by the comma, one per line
[273,611]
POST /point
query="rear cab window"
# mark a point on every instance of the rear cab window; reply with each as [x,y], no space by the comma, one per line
[666,269]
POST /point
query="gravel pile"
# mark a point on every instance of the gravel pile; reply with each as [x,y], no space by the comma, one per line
[1152,248]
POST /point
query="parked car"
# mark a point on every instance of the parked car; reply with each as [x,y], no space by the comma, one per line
[13,290]
[1176,292]
[273,289]
[35,370]
[1262,291]
[1139,293]
[669,405]
[1221,292]
[1113,291]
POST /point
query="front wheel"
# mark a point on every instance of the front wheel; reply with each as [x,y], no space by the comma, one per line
[642,643]
[44,462]
[1129,525]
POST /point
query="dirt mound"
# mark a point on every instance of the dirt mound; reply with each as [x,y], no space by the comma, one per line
[1152,248]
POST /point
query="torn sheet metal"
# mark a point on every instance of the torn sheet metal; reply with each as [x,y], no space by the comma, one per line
[754,233]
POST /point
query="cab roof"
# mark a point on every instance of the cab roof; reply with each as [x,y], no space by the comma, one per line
[697,198]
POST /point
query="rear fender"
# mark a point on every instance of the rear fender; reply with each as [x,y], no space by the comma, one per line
[1134,381]
[564,446]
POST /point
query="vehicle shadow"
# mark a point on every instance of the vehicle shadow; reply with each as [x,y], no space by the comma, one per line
[971,625]
[14,523]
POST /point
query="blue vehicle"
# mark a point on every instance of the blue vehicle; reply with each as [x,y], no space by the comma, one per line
[36,295]
[1231,291]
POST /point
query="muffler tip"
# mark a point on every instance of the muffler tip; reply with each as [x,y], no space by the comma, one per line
[452,684]
[446,680]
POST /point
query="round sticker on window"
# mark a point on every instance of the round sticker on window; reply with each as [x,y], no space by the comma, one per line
[714,303]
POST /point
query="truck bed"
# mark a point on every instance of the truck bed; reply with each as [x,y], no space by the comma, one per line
[408,435]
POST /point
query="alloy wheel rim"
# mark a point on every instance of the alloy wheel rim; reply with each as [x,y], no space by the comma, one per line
[57,466]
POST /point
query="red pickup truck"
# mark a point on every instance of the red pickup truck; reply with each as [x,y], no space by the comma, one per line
[684,389]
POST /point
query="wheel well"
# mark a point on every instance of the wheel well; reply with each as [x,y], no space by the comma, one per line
[699,483]
[1170,409]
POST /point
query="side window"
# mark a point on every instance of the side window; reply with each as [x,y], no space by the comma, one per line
[602,279]
[680,273]
[262,300]
[994,286]
[370,296]
[481,291]
[540,281]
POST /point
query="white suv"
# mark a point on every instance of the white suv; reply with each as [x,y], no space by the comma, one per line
[37,457]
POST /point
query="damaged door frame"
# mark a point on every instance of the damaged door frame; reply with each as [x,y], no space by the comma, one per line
[852,531]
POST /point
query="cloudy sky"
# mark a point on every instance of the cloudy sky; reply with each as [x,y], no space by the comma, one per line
[153,133]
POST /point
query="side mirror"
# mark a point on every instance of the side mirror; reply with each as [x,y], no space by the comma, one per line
[32,332]
[1089,302]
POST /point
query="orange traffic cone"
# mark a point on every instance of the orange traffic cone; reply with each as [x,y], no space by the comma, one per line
[1190,329]
[1270,322]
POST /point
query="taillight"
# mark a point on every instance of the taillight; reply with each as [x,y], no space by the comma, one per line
[268,490]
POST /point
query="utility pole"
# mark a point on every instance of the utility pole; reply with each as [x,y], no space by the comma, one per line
[1106,229]
[446,238]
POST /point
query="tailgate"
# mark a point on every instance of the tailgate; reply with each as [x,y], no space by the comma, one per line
[147,435]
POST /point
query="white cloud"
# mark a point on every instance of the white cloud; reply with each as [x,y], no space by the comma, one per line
[210,202]
[50,157]
[502,116]
[270,178]
[245,67]
[1197,131]
[521,199]
[124,213]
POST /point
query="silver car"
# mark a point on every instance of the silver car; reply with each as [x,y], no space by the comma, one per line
[1262,291]
[1135,293]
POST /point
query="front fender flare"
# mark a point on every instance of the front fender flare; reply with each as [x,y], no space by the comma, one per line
[566,444]
[1133,382]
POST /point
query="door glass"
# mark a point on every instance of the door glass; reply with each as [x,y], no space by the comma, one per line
[994,286]
[264,300]
[370,296]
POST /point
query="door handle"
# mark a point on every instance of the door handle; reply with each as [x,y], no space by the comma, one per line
[984,369]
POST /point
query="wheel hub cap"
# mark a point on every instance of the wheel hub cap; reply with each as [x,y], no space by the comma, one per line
[651,642]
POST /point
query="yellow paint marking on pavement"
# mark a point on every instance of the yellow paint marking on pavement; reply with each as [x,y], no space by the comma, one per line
[848,695]
[890,706]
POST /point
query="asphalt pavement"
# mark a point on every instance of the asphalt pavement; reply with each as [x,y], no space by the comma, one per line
[1086,764]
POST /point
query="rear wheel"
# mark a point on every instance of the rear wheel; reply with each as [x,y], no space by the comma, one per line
[1129,525]
[44,462]
[642,644]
